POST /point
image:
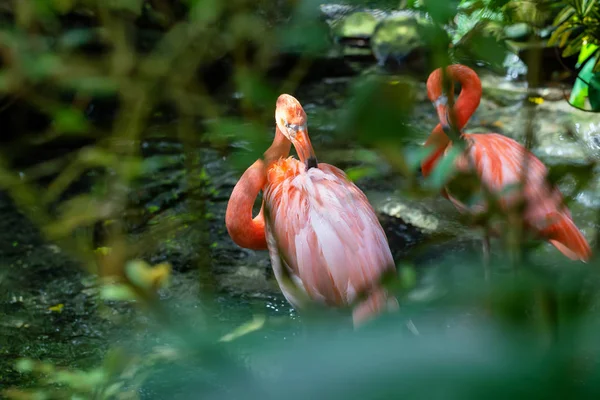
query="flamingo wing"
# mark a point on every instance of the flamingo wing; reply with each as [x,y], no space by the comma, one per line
[326,233]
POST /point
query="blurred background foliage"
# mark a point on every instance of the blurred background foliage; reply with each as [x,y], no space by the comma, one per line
[125,125]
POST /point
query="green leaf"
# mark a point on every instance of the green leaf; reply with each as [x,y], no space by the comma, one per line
[574,45]
[70,120]
[115,362]
[482,47]
[257,323]
[444,168]
[441,11]
[597,64]
[415,156]
[205,12]
[306,32]
[594,92]
[586,52]
[252,138]
[24,365]
[255,89]
[579,93]
[557,36]
[378,111]
[580,88]
[117,292]
[307,37]
[586,72]
[356,173]
[63,6]
[587,6]
[563,16]
[92,85]
[42,66]
[133,6]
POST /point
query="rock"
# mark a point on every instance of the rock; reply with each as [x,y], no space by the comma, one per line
[333,13]
[411,224]
[587,127]
[398,41]
[518,31]
[515,67]
[358,25]
[249,281]
[352,34]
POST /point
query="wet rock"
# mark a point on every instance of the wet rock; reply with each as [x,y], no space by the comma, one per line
[391,36]
[410,224]
[249,281]
[397,42]
[515,67]
[518,31]
[587,127]
[352,35]
[359,25]
[333,13]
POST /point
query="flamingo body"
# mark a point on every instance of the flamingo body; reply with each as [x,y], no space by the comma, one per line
[324,240]
[323,231]
[498,161]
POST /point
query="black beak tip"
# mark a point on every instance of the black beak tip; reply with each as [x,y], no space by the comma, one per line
[447,129]
[311,163]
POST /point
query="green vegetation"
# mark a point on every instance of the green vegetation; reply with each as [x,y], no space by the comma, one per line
[578,30]
[125,125]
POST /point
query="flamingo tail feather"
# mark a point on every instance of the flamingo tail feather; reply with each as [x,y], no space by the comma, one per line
[566,237]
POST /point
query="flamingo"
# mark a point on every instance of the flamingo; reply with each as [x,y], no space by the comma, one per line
[498,162]
[325,242]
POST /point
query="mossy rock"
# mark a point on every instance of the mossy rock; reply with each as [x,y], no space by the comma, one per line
[355,25]
[397,38]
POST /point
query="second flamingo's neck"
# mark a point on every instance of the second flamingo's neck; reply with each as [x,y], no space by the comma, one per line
[464,107]
[470,94]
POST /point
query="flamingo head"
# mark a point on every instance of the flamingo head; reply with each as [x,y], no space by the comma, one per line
[436,94]
[291,121]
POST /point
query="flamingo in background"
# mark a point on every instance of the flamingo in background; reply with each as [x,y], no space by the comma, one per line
[498,161]
[324,240]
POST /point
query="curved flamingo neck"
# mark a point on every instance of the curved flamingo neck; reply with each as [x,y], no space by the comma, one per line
[279,148]
[470,94]
[244,230]
[464,107]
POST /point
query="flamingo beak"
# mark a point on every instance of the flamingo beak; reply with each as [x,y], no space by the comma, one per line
[442,111]
[304,148]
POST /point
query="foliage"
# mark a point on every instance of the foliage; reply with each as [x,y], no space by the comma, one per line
[578,30]
[577,25]
[120,376]
[205,74]
[483,31]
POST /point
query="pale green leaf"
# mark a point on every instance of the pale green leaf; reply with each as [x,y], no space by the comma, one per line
[257,323]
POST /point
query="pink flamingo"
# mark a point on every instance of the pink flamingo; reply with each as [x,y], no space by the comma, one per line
[324,239]
[498,161]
